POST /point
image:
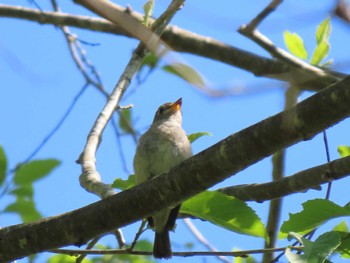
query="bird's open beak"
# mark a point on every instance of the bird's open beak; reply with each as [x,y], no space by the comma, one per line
[176,105]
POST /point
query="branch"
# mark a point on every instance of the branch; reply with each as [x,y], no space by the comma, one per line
[300,182]
[242,253]
[183,41]
[196,174]
[310,72]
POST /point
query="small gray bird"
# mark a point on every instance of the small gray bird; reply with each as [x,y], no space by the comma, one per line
[163,146]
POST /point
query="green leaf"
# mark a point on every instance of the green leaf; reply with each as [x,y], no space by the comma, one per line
[320,53]
[323,31]
[34,170]
[3,165]
[151,60]
[144,245]
[25,209]
[194,136]
[341,227]
[148,10]
[344,150]
[344,248]
[23,191]
[295,45]
[124,184]
[225,211]
[185,72]
[125,121]
[314,252]
[247,259]
[66,259]
[314,213]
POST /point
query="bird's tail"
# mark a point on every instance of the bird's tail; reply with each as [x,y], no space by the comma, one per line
[162,247]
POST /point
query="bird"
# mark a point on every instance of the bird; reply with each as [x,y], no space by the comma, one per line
[162,146]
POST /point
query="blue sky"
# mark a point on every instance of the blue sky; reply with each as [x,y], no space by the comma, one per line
[40,80]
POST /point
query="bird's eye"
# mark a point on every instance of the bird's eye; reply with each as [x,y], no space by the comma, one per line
[161,110]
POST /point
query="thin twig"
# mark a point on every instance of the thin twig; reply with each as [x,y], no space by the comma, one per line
[79,55]
[91,244]
[252,33]
[8,185]
[242,253]
[329,186]
[202,239]
[138,234]
[120,238]
[325,140]
[57,126]
[263,14]
[284,56]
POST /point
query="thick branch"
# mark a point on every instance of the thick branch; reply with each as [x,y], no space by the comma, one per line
[182,41]
[300,182]
[194,175]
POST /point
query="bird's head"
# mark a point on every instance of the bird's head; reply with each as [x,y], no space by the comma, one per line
[170,111]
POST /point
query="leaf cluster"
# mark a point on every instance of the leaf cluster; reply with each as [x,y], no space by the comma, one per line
[20,186]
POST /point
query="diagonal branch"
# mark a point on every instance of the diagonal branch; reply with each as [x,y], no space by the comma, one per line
[298,183]
[198,173]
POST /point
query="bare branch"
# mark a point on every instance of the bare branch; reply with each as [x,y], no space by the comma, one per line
[263,14]
[300,182]
[184,41]
[242,253]
[138,234]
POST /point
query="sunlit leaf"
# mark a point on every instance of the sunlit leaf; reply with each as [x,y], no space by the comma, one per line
[295,45]
[225,211]
[23,191]
[148,10]
[25,208]
[66,259]
[3,165]
[344,150]
[341,227]
[124,184]
[186,72]
[306,220]
[323,31]
[34,170]
[320,53]
[314,252]
[194,136]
